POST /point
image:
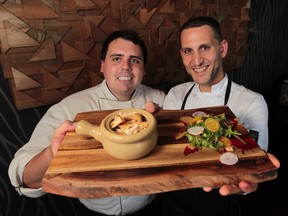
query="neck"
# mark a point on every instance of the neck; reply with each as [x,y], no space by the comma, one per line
[123,97]
[205,88]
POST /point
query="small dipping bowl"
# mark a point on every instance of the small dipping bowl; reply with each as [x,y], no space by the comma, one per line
[121,146]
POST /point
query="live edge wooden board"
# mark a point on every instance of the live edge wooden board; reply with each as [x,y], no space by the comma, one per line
[82,168]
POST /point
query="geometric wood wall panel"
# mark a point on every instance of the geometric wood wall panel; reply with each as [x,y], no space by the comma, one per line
[51,49]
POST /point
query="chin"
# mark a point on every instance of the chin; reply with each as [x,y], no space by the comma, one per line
[201,81]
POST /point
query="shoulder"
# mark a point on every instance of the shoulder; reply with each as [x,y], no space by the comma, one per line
[149,94]
[83,94]
[249,101]
[149,90]
[176,94]
[246,92]
[181,88]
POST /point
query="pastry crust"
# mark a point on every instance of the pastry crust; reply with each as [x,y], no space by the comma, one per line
[128,123]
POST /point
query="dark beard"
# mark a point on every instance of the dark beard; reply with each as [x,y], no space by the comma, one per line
[214,74]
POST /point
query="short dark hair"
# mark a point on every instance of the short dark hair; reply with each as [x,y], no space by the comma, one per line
[200,21]
[128,35]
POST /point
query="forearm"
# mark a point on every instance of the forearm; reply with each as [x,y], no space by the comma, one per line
[36,168]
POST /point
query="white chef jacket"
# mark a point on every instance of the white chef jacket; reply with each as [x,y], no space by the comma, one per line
[250,107]
[94,98]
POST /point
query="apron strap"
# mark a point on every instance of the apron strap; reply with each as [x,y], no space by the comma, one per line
[228,90]
[186,96]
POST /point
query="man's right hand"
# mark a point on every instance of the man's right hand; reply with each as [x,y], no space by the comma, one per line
[38,165]
[59,134]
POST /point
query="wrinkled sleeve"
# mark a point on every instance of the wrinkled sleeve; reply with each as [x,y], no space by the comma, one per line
[256,119]
[39,140]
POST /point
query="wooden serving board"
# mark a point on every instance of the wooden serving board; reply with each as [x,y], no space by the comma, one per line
[83,169]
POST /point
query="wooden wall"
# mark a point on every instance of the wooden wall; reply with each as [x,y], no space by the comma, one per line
[50,49]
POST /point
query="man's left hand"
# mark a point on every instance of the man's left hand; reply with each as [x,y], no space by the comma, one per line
[243,187]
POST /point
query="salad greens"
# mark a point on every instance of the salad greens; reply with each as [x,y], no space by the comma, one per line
[209,131]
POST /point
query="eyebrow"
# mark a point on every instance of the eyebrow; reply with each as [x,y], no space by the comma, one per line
[138,57]
[121,55]
[201,45]
[115,55]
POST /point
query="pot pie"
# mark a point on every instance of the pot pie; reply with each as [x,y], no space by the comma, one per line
[128,123]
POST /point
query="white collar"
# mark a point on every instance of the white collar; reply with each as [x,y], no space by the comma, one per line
[218,87]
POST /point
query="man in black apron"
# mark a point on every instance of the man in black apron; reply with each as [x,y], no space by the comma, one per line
[202,50]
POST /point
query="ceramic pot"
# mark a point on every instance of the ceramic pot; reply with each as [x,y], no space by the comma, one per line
[121,146]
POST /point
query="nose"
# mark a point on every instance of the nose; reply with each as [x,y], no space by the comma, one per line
[126,65]
[197,58]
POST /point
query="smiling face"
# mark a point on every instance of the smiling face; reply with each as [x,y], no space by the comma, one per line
[123,68]
[202,56]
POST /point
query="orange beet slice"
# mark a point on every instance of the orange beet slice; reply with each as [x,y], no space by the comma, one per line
[188,120]
[212,124]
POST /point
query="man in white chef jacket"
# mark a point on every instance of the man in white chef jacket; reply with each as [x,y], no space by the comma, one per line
[122,63]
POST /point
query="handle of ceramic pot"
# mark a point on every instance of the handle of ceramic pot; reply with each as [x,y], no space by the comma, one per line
[85,128]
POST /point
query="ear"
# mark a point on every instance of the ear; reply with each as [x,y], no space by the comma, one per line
[102,66]
[224,48]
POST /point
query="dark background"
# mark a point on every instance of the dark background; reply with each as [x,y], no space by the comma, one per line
[264,70]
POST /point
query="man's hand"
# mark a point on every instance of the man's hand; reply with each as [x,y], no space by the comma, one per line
[151,107]
[59,134]
[37,166]
[243,187]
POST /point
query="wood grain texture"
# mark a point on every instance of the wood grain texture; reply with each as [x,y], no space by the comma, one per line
[156,180]
[83,169]
[59,34]
[86,160]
